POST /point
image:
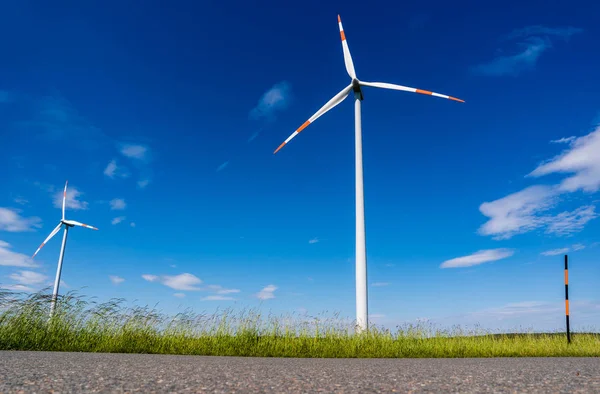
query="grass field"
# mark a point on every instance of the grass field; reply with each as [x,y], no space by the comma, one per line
[83,325]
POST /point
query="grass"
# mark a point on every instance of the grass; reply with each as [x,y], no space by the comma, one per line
[85,326]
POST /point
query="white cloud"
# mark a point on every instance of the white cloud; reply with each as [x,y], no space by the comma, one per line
[117,204]
[380,284]
[220,290]
[267,292]
[581,159]
[28,277]
[564,140]
[73,201]
[13,259]
[143,183]
[116,279]
[217,298]
[11,221]
[134,151]
[275,99]
[567,223]
[535,40]
[183,281]
[555,252]
[480,257]
[518,212]
[16,287]
[179,295]
[313,241]
[524,211]
[113,169]
[117,220]
[132,224]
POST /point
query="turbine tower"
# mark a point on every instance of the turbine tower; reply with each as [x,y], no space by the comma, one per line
[356,87]
[67,224]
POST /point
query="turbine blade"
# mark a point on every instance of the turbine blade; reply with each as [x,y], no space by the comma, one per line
[76,223]
[338,98]
[52,234]
[347,56]
[384,85]
[64,200]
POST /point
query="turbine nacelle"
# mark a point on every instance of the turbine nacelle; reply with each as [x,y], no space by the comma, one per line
[67,223]
[356,86]
[357,89]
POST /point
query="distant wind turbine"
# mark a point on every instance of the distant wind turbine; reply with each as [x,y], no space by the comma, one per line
[67,223]
[356,86]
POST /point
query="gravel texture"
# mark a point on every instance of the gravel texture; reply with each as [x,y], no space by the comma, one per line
[49,372]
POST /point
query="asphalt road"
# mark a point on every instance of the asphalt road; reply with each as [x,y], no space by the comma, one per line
[44,372]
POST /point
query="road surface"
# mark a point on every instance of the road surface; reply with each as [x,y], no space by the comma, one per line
[45,372]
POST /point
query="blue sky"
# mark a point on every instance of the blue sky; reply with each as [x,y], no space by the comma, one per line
[164,121]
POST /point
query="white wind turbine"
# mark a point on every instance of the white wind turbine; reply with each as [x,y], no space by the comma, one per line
[356,85]
[67,224]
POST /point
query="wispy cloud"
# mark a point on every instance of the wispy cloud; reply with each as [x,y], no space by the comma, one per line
[267,292]
[179,295]
[253,136]
[518,212]
[275,99]
[217,298]
[28,277]
[220,290]
[313,241]
[222,166]
[56,118]
[564,140]
[116,279]
[537,30]
[143,183]
[132,224]
[183,281]
[134,151]
[581,159]
[117,220]
[480,257]
[520,309]
[117,204]
[12,259]
[12,221]
[568,223]
[527,209]
[555,252]
[534,41]
[20,200]
[113,170]
[72,201]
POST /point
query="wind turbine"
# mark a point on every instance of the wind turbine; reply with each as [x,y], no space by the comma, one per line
[67,224]
[356,86]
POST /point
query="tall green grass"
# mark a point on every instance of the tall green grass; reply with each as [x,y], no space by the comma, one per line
[80,324]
